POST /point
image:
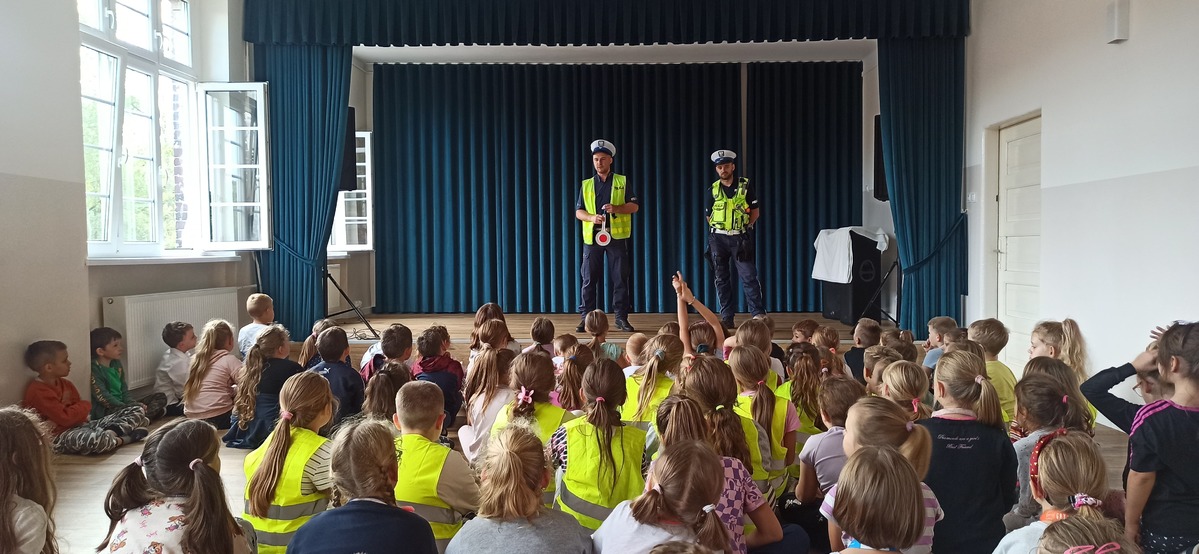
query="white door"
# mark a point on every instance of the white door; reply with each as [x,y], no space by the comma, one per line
[1019,244]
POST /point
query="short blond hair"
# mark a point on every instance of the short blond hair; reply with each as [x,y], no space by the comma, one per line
[869,331]
[942,324]
[418,404]
[633,347]
[990,334]
[513,465]
[257,304]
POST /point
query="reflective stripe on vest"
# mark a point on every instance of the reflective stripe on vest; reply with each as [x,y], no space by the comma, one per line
[548,418]
[420,467]
[759,450]
[289,509]
[778,422]
[620,225]
[578,505]
[632,386]
[729,214]
[587,480]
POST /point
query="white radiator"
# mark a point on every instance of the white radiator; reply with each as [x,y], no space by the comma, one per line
[140,320]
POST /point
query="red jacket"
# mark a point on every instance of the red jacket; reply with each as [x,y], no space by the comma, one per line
[60,404]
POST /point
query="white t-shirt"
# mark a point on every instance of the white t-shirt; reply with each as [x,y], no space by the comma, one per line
[629,371]
[172,374]
[777,367]
[621,534]
[29,525]
[376,348]
[1022,540]
[247,336]
[475,435]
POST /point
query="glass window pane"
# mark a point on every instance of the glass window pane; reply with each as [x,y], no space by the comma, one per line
[98,75]
[174,13]
[234,223]
[356,234]
[90,13]
[133,23]
[232,108]
[139,221]
[234,185]
[233,147]
[97,170]
[176,46]
[139,96]
[177,158]
[97,218]
[98,122]
[138,138]
[138,175]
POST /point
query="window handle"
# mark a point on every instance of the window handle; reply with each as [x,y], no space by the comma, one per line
[112,19]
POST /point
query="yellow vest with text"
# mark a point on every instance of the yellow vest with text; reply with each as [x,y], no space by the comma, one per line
[620,225]
[590,491]
[729,214]
[547,419]
[421,463]
[289,509]
[778,422]
[628,412]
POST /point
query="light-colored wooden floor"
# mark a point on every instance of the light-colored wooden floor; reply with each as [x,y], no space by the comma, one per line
[83,482]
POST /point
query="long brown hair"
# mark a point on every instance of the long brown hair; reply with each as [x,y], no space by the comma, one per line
[1066,377]
[902,341]
[169,461]
[710,383]
[363,462]
[269,341]
[596,324]
[881,422]
[688,480]
[751,368]
[25,471]
[879,499]
[305,395]
[906,384]
[216,334]
[603,395]
[806,375]
[1066,337]
[703,337]
[485,313]
[380,397]
[513,468]
[488,375]
[1045,401]
[965,378]
[663,354]
[681,419]
[534,373]
[570,381]
[1178,342]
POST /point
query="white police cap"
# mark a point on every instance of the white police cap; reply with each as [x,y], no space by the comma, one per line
[604,146]
[723,156]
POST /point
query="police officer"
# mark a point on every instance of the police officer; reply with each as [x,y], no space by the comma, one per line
[605,206]
[731,219]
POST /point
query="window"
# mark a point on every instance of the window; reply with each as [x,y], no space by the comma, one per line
[352,227]
[140,153]
[237,198]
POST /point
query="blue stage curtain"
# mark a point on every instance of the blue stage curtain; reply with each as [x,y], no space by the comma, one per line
[922,100]
[308,95]
[585,22]
[804,154]
[477,168]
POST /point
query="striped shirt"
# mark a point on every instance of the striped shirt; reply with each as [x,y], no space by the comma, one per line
[316,471]
[932,514]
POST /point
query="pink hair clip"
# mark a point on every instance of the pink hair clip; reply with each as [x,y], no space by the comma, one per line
[197,461]
[1082,499]
[760,383]
[1101,549]
[286,415]
[525,396]
[979,379]
[599,399]
[910,425]
[1065,399]
[138,461]
[915,406]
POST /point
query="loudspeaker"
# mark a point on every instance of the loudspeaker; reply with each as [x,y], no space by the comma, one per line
[880,174]
[349,158]
[846,302]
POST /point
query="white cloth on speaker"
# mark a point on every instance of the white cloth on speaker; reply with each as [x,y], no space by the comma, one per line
[834,253]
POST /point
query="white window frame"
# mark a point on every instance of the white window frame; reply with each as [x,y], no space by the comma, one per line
[337,239]
[262,166]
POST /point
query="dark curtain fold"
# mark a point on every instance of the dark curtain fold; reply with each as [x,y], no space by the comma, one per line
[478,168]
[922,102]
[804,153]
[308,93]
[585,22]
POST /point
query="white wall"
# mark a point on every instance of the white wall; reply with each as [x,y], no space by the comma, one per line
[1120,170]
[41,182]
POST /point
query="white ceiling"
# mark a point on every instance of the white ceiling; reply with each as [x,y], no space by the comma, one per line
[864,50]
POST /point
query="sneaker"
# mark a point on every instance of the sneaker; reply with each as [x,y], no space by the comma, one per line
[623,325]
[138,434]
[582,328]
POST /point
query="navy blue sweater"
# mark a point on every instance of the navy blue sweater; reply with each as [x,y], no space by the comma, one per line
[347,386]
[365,527]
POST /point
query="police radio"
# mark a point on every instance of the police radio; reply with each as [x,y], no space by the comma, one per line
[603,238]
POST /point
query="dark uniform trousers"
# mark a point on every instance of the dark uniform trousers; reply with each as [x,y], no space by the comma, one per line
[738,249]
[617,252]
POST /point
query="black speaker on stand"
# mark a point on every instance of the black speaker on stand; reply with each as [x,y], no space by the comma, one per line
[846,302]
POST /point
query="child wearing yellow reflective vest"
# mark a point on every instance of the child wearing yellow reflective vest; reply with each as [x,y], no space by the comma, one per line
[801,390]
[607,458]
[288,476]
[751,369]
[532,380]
[650,384]
[708,381]
[435,481]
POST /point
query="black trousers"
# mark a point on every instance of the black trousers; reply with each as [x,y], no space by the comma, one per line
[737,250]
[617,253]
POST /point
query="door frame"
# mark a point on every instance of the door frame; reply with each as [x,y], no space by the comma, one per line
[989,201]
